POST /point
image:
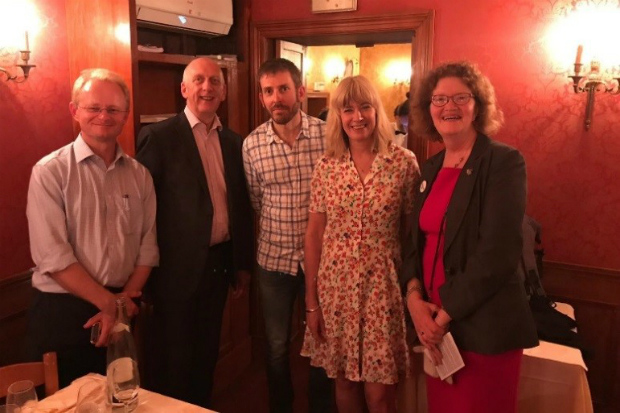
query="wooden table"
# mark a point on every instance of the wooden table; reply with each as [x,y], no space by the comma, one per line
[149,402]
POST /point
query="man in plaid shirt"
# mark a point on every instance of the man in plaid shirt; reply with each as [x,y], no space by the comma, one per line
[279,157]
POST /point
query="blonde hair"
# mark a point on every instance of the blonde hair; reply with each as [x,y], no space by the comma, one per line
[98,74]
[355,89]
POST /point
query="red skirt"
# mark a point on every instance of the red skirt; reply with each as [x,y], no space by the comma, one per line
[487,384]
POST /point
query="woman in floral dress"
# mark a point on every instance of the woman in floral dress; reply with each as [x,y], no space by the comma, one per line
[361,190]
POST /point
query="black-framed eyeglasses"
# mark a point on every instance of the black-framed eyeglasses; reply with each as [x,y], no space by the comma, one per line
[460,99]
[96,110]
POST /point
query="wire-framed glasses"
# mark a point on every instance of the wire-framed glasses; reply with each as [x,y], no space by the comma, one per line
[460,99]
[96,110]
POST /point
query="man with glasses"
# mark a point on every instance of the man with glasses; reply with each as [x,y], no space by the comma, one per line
[91,217]
[205,232]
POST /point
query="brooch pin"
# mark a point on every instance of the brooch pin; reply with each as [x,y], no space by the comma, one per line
[469,171]
[422,186]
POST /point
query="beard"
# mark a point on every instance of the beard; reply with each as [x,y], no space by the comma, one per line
[286,113]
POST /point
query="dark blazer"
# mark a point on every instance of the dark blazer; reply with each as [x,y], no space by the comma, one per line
[184,207]
[482,247]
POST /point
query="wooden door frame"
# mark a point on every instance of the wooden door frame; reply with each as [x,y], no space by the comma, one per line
[421,22]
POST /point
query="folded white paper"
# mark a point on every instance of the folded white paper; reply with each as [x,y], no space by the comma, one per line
[451,361]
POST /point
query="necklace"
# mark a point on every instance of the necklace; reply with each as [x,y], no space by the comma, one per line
[456,165]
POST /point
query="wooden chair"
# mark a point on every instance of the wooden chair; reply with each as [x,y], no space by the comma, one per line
[42,372]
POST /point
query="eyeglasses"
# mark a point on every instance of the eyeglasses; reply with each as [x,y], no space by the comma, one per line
[460,99]
[96,110]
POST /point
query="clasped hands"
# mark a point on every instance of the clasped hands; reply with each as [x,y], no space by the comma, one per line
[107,315]
[431,324]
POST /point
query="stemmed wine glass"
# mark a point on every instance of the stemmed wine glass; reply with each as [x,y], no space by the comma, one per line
[22,394]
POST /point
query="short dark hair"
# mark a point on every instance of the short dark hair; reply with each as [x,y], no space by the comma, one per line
[323,114]
[273,66]
[489,117]
[402,109]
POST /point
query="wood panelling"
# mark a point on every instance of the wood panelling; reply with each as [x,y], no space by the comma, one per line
[159,90]
[15,294]
[595,295]
[235,343]
[99,35]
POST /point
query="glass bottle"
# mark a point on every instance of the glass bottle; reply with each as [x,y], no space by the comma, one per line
[122,372]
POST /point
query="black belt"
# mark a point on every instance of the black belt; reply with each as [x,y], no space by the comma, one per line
[114,290]
[222,246]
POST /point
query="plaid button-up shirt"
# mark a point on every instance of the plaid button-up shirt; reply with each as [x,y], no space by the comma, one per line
[279,183]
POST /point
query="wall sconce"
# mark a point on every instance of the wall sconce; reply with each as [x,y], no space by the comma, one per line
[334,69]
[398,72]
[591,83]
[402,82]
[25,66]
[592,27]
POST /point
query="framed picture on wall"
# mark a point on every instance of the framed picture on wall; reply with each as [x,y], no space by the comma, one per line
[329,6]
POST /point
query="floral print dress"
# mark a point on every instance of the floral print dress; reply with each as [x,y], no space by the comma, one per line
[357,281]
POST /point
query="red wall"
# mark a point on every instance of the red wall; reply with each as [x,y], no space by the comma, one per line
[573,175]
[34,120]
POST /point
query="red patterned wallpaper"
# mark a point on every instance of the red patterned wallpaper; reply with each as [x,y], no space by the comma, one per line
[34,120]
[573,175]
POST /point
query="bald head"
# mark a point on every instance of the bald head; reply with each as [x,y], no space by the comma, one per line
[201,63]
[203,88]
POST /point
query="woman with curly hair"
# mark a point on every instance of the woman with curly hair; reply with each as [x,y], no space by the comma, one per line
[460,271]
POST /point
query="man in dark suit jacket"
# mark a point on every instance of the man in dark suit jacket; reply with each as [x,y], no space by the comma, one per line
[205,235]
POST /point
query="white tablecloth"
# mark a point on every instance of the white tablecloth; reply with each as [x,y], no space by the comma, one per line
[149,402]
[553,378]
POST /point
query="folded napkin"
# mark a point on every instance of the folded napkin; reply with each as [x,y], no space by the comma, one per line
[65,399]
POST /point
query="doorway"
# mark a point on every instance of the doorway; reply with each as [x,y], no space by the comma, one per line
[385,62]
[263,37]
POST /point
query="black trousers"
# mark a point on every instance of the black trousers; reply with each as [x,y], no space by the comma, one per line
[182,338]
[55,324]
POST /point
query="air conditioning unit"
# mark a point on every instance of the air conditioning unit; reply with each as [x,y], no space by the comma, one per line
[207,16]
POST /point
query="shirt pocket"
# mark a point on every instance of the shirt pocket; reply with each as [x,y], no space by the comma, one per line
[130,215]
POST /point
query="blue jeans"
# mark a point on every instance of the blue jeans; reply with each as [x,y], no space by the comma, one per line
[278,291]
